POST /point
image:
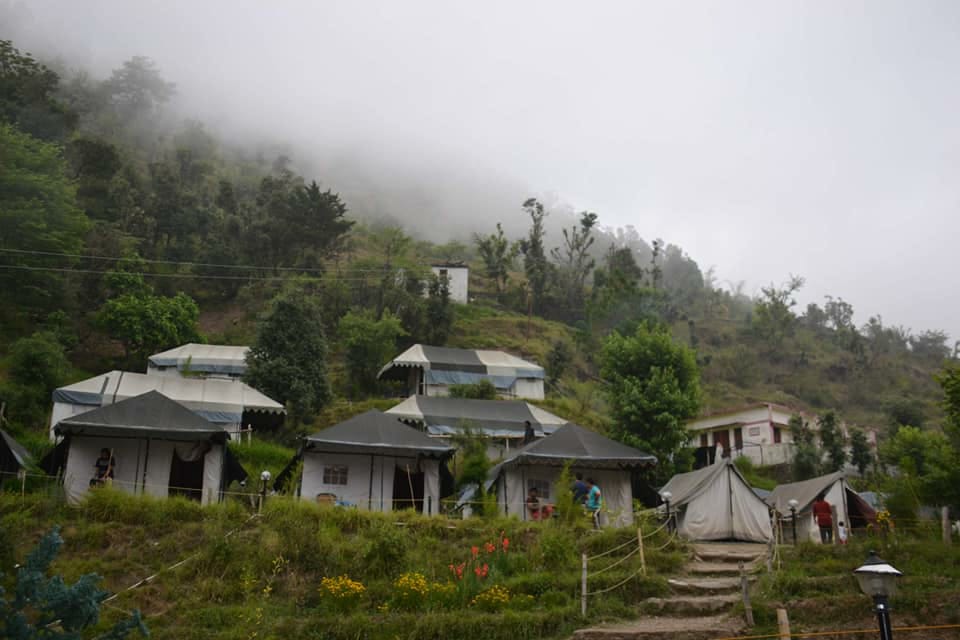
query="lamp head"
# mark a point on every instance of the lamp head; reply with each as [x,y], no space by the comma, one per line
[877,577]
[793,503]
[666,495]
[265,476]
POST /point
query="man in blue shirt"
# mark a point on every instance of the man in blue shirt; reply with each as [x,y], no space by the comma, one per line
[594,501]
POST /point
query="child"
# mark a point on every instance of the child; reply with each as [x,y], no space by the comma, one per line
[841,533]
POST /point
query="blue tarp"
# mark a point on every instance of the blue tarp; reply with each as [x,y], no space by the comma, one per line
[433,376]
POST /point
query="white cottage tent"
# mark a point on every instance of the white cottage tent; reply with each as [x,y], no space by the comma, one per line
[501,421]
[204,360]
[539,464]
[229,403]
[430,371]
[716,503]
[850,508]
[372,461]
[160,448]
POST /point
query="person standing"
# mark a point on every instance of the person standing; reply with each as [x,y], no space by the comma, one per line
[103,474]
[594,501]
[823,516]
[579,489]
[529,435]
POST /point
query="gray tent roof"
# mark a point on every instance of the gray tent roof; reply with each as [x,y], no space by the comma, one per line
[582,446]
[446,365]
[376,433]
[151,415]
[495,418]
[804,492]
[686,486]
[15,453]
[203,358]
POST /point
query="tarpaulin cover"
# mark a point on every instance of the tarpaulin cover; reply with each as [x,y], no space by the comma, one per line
[477,361]
[375,432]
[716,503]
[447,415]
[151,414]
[203,358]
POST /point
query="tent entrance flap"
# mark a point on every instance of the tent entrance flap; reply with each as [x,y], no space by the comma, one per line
[186,477]
[408,487]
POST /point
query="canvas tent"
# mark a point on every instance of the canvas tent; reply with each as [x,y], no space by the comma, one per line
[205,360]
[13,457]
[229,403]
[160,447]
[503,421]
[373,461]
[539,464]
[849,507]
[716,503]
[431,370]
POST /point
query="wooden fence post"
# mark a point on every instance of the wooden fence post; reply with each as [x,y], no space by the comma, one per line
[945,524]
[583,586]
[643,561]
[783,622]
[745,589]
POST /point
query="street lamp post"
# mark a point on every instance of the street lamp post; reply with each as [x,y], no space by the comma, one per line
[793,518]
[264,480]
[878,579]
[666,495]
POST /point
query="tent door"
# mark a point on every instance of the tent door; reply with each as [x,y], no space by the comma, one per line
[186,478]
[407,488]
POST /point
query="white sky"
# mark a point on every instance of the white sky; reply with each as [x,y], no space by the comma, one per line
[765,138]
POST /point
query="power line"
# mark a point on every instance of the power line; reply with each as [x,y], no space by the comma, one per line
[188,276]
[182,263]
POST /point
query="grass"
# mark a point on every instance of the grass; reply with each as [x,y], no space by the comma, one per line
[266,577]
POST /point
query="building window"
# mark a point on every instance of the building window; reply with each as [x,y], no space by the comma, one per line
[703,440]
[542,487]
[776,435]
[443,273]
[335,474]
[738,439]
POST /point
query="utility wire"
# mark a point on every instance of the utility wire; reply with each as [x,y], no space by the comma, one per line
[187,276]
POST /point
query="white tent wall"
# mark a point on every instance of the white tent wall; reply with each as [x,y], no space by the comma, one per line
[366,489]
[807,528]
[751,515]
[528,388]
[64,410]
[212,475]
[615,486]
[159,459]
[83,453]
[707,515]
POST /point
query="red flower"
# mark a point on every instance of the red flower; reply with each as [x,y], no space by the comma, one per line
[490,547]
[505,543]
[475,551]
[481,572]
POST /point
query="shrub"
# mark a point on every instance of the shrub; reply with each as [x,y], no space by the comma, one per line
[341,594]
[496,598]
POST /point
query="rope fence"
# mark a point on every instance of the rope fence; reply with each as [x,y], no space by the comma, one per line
[841,632]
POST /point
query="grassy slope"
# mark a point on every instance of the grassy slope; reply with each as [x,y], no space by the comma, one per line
[265,579]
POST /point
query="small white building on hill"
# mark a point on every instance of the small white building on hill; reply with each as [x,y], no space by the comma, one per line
[760,431]
[458,279]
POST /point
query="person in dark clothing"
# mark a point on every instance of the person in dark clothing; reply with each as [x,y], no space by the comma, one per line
[823,516]
[528,433]
[579,489]
[104,467]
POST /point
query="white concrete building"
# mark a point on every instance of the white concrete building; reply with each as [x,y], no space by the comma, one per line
[458,279]
[760,432]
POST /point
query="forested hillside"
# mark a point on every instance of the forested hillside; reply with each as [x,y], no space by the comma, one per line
[124,232]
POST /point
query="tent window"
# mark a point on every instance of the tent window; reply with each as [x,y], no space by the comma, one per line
[335,474]
[542,487]
[776,435]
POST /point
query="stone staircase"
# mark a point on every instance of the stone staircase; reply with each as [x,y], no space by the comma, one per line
[700,605]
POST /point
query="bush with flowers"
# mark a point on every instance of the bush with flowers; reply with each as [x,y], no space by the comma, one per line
[495,598]
[341,593]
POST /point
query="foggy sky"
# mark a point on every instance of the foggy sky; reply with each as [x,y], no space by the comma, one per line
[765,138]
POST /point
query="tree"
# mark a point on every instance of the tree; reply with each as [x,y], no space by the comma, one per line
[482,390]
[928,464]
[773,317]
[28,93]
[653,388]
[288,358]
[806,457]
[860,455]
[575,261]
[439,313]
[145,323]
[534,256]
[558,359]
[313,222]
[498,255]
[46,608]
[949,380]
[137,87]
[368,343]
[37,365]
[832,441]
[38,212]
